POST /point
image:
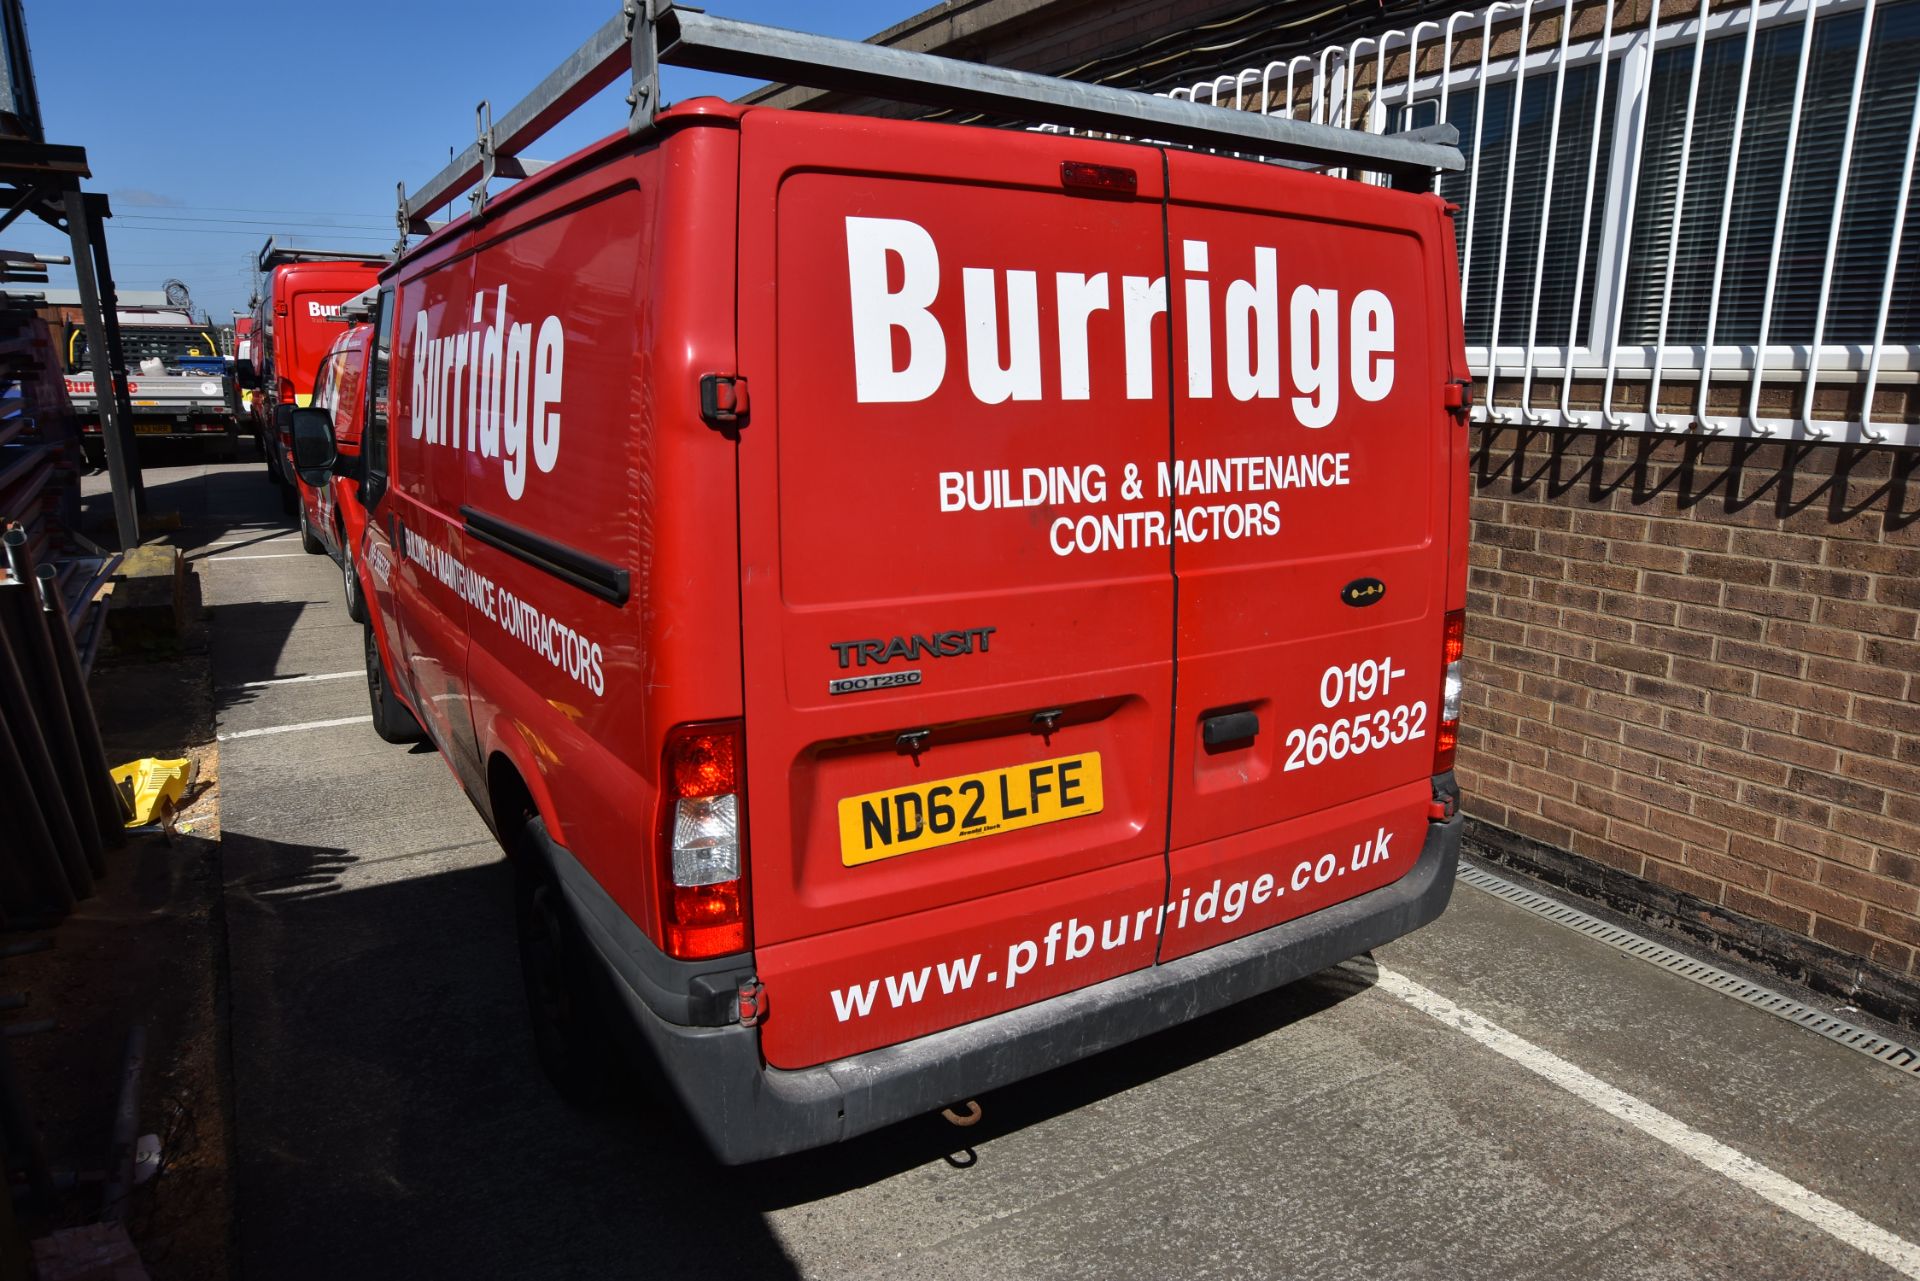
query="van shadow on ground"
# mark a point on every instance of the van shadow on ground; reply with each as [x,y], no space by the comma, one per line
[391,1120]
[211,503]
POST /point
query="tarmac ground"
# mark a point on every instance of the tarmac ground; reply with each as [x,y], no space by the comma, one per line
[1491,1097]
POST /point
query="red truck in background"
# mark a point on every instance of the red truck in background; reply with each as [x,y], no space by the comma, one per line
[179,385]
[1060,642]
[293,328]
[332,520]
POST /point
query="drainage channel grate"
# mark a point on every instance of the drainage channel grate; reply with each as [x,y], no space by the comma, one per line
[1902,1058]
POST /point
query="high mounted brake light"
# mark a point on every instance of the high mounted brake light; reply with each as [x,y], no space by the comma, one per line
[701,841]
[1113,179]
[1448,736]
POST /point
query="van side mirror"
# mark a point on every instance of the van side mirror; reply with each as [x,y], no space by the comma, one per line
[245,376]
[314,450]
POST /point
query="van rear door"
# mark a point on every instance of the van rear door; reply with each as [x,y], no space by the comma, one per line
[1310,464]
[958,625]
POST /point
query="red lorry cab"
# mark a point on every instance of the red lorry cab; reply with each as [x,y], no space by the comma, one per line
[920,604]
[331,517]
[294,326]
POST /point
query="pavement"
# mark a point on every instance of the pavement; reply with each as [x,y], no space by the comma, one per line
[1494,1096]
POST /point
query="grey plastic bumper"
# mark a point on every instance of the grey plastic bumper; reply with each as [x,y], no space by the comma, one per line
[748,1112]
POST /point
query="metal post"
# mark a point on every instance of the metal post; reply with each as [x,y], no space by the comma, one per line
[28,830]
[126,1125]
[21,616]
[97,215]
[109,382]
[93,751]
[37,773]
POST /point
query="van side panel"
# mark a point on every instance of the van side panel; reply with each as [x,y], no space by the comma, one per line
[936,335]
[608,282]
[422,508]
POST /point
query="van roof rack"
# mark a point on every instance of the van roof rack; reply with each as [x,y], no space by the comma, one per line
[272,255]
[648,33]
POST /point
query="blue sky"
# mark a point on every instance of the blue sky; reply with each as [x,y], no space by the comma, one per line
[211,127]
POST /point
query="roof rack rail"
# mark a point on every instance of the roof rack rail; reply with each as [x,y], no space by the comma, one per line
[648,33]
[358,309]
[272,255]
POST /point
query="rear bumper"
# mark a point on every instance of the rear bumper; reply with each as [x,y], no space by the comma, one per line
[749,1112]
[168,425]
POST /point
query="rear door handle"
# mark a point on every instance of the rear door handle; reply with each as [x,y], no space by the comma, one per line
[1232,727]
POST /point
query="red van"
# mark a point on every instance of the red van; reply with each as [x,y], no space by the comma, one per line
[921,605]
[331,518]
[293,328]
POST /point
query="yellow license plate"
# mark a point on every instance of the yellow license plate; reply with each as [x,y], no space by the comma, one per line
[151,429]
[949,810]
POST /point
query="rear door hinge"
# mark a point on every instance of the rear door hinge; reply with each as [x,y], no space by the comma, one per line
[1457,396]
[723,401]
[752,1003]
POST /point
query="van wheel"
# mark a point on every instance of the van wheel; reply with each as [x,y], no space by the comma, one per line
[309,541]
[570,1034]
[350,581]
[391,719]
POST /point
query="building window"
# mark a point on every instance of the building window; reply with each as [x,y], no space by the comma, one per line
[1481,189]
[1879,151]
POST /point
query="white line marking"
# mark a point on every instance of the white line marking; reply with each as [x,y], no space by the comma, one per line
[289,680]
[1835,1220]
[224,557]
[246,542]
[289,729]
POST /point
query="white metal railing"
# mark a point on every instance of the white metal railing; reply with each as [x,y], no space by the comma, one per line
[1380,83]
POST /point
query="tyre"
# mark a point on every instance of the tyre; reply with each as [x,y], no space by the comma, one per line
[571,1035]
[350,581]
[309,541]
[391,719]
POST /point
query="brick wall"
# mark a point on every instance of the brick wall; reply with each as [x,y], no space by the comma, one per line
[1694,668]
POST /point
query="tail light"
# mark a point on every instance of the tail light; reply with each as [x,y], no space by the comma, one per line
[286,391]
[702,837]
[1448,737]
